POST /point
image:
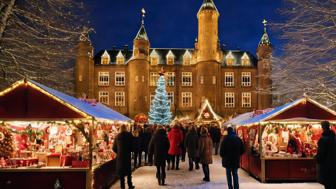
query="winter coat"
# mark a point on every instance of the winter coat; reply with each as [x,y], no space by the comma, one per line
[122,146]
[215,134]
[137,144]
[205,149]
[147,135]
[326,157]
[191,143]
[231,149]
[175,137]
[159,146]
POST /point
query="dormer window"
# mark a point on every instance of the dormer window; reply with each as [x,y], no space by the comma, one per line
[229,59]
[105,58]
[245,60]
[170,58]
[154,58]
[120,58]
[187,58]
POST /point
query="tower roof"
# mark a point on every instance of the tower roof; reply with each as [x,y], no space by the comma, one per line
[265,39]
[142,34]
[208,5]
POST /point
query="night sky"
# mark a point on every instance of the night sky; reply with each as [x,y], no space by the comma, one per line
[173,23]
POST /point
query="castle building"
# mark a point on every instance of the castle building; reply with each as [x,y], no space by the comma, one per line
[233,81]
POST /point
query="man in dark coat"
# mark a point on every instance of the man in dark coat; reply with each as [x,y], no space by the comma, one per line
[231,149]
[159,146]
[122,146]
[191,144]
[326,157]
[147,135]
[137,147]
[215,134]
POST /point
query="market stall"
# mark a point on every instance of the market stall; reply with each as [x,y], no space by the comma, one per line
[281,143]
[51,140]
[206,114]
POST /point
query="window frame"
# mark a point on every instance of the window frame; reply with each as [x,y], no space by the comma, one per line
[101,81]
[170,79]
[248,76]
[119,98]
[227,103]
[118,75]
[153,77]
[185,102]
[186,79]
[104,94]
[247,95]
[227,75]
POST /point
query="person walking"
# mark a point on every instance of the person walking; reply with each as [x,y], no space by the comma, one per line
[215,134]
[231,149]
[159,146]
[137,140]
[175,137]
[326,157]
[191,144]
[205,152]
[122,146]
[147,135]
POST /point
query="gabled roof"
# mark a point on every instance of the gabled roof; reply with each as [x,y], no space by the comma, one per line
[207,107]
[34,101]
[303,109]
[265,39]
[142,34]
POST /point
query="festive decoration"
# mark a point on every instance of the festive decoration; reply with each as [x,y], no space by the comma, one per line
[160,109]
[141,118]
[206,112]
[6,144]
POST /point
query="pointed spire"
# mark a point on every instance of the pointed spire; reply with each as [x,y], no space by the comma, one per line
[142,34]
[208,5]
[265,39]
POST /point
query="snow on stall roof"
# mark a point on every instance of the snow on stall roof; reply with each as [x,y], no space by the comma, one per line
[240,118]
[98,110]
[262,117]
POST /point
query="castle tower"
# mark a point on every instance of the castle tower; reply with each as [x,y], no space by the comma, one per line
[84,68]
[207,45]
[138,73]
[264,55]
[207,52]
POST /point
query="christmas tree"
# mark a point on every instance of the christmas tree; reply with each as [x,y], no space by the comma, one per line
[160,108]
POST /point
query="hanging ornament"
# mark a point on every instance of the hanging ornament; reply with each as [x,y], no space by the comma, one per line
[206,115]
[53,130]
[68,131]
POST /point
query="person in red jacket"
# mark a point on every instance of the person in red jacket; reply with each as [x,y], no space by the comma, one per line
[175,137]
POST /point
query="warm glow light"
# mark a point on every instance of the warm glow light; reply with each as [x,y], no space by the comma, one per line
[53,130]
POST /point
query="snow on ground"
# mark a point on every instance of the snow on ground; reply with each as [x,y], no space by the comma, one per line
[144,178]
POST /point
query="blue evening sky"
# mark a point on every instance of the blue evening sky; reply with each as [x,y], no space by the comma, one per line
[173,23]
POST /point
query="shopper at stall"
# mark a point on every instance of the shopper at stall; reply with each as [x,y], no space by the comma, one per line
[215,134]
[159,146]
[175,137]
[122,146]
[205,152]
[191,144]
[326,157]
[231,149]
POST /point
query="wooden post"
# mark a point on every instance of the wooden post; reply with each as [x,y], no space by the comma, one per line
[90,174]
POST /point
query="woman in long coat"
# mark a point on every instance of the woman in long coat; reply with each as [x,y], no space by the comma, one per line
[159,146]
[175,137]
[205,152]
[191,144]
[122,146]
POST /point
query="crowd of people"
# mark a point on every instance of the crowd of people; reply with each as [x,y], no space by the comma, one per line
[165,146]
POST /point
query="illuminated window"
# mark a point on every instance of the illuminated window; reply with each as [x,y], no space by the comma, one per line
[170,58]
[187,58]
[229,59]
[103,78]
[245,60]
[186,99]
[229,100]
[229,79]
[171,98]
[120,58]
[170,79]
[103,97]
[214,80]
[186,78]
[153,77]
[119,79]
[105,58]
[246,79]
[119,98]
[246,100]
[154,58]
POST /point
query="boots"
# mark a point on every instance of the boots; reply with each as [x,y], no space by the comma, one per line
[163,181]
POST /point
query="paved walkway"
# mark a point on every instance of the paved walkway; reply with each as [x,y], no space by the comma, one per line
[144,178]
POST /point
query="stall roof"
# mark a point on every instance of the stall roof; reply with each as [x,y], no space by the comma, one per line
[239,119]
[206,106]
[32,100]
[303,109]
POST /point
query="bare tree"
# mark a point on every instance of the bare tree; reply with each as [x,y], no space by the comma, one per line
[38,39]
[308,62]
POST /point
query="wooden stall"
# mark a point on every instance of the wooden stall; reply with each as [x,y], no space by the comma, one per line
[51,140]
[281,144]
